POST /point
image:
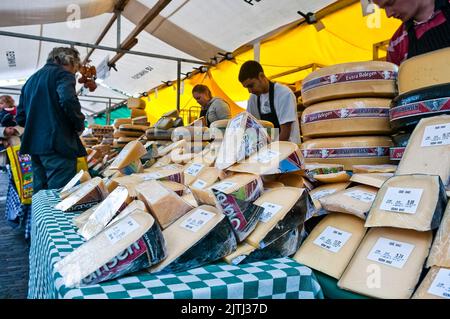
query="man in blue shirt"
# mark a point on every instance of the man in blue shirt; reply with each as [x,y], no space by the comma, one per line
[50,112]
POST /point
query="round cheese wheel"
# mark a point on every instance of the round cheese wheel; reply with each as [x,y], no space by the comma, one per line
[359,116]
[408,108]
[348,151]
[158,134]
[118,122]
[370,78]
[135,103]
[424,70]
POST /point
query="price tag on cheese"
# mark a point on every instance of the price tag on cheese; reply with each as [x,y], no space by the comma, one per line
[436,135]
[125,227]
[390,252]
[401,200]
[151,176]
[224,186]
[194,169]
[200,184]
[270,210]
[441,284]
[197,220]
[361,195]
[266,156]
[332,239]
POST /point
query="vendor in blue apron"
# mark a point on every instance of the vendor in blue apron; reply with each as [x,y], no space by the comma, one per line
[425,27]
[271,101]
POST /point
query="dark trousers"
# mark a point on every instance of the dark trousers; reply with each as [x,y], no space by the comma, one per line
[52,171]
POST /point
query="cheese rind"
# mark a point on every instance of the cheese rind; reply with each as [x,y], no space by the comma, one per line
[371,78]
[377,278]
[333,256]
[409,201]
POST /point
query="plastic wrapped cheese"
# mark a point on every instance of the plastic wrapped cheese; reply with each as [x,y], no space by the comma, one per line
[440,251]
[356,79]
[358,116]
[87,195]
[436,285]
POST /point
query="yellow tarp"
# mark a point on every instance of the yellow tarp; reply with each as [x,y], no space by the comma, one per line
[347,37]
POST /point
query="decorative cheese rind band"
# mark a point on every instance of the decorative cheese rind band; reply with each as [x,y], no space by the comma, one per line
[349,77]
[396,153]
[346,152]
[423,107]
[367,112]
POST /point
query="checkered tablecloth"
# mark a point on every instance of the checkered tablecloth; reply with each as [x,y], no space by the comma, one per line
[54,236]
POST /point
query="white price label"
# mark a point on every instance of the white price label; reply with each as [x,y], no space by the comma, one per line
[402,200]
[197,220]
[267,156]
[270,210]
[441,284]
[224,186]
[120,230]
[361,195]
[332,239]
[151,176]
[200,184]
[390,252]
[194,169]
[322,193]
[436,135]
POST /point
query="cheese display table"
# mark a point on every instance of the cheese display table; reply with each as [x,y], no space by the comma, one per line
[54,236]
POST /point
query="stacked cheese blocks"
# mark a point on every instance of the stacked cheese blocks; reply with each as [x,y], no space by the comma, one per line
[424,88]
[346,119]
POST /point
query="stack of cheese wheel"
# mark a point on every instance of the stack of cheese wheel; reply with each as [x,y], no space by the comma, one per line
[346,119]
[424,88]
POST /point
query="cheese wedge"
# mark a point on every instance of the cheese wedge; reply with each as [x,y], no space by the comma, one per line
[348,151]
[189,198]
[132,152]
[243,251]
[164,204]
[207,177]
[129,245]
[371,179]
[78,179]
[436,285]
[356,79]
[354,200]
[285,208]
[325,190]
[428,149]
[387,263]
[440,251]
[331,244]
[201,236]
[386,168]
[409,201]
[130,208]
[81,219]
[135,103]
[358,116]
[340,177]
[89,194]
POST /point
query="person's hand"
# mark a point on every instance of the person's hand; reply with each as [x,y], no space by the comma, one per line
[10,131]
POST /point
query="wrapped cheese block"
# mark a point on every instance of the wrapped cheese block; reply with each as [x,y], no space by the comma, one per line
[340,177]
[359,116]
[388,263]
[277,157]
[128,158]
[126,246]
[87,195]
[331,244]
[356,79]
[409,201]
[78,179]
[355,200]
[424,70]
[348,151]
[440,251]
[428,150]
[371,179]
[201,236]
[164,204]
[243,137]
[436,285]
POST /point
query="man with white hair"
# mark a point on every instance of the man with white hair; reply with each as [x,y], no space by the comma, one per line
[50,112]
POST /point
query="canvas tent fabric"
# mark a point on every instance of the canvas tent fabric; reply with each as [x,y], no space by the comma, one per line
[191,29]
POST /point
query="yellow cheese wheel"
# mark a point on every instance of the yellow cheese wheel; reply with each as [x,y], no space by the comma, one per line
[370,78]
[358,116]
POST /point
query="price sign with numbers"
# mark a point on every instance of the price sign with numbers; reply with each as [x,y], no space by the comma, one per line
[441,284]
[270,210]
[122,229]
[332,239]
[436,135]
[197,220]
[402,200]
[391,252]
[194,169]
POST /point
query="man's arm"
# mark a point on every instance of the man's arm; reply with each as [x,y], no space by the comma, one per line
[285,131]
[68,100]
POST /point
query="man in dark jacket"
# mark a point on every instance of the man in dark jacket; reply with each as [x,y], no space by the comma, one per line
[50,112]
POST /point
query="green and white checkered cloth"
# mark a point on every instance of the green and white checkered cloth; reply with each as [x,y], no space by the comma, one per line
[54,236]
